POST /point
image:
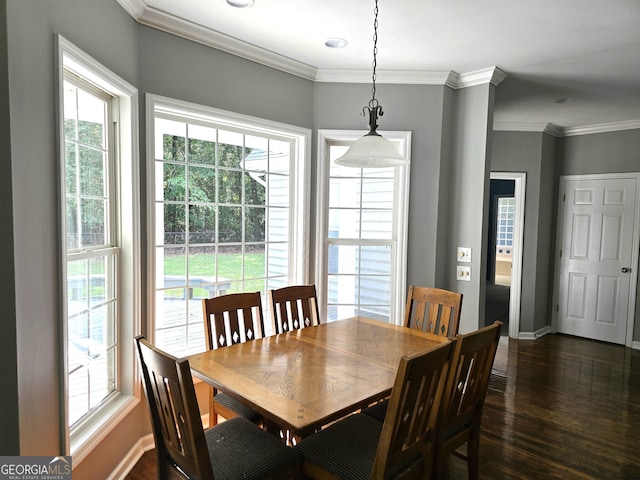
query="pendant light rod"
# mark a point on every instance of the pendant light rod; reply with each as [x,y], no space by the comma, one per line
[372,150]
[375,109]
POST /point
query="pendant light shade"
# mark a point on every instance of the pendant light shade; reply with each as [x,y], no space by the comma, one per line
[373,150]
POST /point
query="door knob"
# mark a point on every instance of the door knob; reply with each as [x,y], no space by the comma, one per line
[625,270]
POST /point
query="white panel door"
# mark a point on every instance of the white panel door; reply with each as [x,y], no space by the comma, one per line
[596,256]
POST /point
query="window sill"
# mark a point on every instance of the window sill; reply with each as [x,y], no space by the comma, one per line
[85,439]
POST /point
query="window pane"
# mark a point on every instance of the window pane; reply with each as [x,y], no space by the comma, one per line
[202,185]
[91,119]
[344,223]
[174,224]
[174,182]
[345,192]
[377,224]
[254,188]
[92,171]
[202,145]
[230,184]
[278,190]
[230,150]
[202,224]
[202,262]
[174,148]
[94,218]
[254,224]
[230,224]
[278,224]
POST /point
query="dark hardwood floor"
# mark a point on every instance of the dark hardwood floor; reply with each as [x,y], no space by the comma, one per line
[558,407]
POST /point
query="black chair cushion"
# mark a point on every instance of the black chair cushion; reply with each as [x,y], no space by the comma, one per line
[240,408]
[377,411]
[240,449]
[346,448]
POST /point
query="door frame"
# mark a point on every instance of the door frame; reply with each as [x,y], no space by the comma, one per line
[635,247]
[515,291]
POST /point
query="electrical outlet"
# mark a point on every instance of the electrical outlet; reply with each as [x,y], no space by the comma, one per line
[464,254]
[463,273]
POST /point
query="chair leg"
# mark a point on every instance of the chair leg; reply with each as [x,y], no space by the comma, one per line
[438,466]
[473,457]
[213,416]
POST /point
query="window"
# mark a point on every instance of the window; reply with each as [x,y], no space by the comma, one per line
[229,206]
[99,214]
[505,224]
[363,224]
[92,251]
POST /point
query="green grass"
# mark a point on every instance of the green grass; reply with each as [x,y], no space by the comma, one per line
[229,266]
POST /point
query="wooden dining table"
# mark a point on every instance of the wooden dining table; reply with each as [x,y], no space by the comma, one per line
[305,379]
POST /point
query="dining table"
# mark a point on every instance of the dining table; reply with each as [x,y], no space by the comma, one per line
[302,380]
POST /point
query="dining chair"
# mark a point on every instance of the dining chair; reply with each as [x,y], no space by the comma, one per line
[294,307]
[231,319]
[433,310]
[359,447]
[233,449]
[463,398]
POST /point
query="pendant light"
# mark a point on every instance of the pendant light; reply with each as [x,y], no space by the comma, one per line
[372,150]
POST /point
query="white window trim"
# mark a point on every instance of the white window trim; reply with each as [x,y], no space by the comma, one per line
[401,218]
[107,418]
[300,175]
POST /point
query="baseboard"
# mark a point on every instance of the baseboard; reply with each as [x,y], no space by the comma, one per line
[130,460]
[635,345]
[534,335]
[145,444]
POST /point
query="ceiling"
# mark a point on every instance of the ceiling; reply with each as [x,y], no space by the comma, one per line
[571,66]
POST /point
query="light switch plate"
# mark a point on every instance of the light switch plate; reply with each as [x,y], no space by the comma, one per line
[463,273]
[464,254]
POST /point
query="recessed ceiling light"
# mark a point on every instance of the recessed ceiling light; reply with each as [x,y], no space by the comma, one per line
[336,42]
[241,3]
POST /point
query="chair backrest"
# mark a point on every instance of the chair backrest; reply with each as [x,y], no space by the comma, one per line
[177,427]
[232,318]
[433,310]
[294,307]
[412,412]
[468,380]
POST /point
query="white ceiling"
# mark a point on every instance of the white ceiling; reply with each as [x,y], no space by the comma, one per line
[585,50]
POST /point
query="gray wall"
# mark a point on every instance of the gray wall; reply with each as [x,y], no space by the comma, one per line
[468,197]
[418,108]
[609,152]
[534,154]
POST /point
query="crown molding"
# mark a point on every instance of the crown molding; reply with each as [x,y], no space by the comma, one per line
[412,77]
[602,128]
[492,75]
[557,131]
[135,8]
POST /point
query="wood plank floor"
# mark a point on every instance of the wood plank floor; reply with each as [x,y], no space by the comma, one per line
[558,407]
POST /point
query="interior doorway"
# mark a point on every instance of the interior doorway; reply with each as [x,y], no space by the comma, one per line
[504,255]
